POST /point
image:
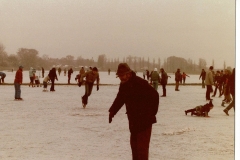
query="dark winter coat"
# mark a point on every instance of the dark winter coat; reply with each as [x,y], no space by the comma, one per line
[178,76]
[203,75]
[18,76]
[70,71]
[231,82]
[52,74]
[202,110]
[141,102]
[164,78]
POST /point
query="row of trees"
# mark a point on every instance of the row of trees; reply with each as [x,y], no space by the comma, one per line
[30,58]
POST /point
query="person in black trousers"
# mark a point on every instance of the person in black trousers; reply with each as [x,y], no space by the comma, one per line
[52,75]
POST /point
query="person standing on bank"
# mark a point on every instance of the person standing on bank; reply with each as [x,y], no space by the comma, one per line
[18,82]
[155,79]
[209,82]
[141,101]
[52,75]
[164,79]
[178,78]
[91,76]
[203,75]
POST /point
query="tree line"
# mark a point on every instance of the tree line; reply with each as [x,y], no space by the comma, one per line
[30,58]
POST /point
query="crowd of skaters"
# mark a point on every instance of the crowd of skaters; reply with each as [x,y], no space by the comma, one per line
[217,83]
[224,82]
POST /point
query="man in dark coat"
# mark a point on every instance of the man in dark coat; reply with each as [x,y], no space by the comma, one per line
[70,71]
[141,102]
[164,78]
[52,75]
[203,75]
[178,78]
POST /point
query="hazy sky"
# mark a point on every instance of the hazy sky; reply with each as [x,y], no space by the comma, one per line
[147,28]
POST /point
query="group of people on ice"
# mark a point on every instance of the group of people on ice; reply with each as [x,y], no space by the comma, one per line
[140,98]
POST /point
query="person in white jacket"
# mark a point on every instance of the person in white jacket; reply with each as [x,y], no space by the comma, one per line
[209,82]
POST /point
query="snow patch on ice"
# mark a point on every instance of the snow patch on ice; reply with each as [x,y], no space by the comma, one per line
[178,132]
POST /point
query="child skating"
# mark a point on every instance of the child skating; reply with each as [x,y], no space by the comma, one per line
[45,82]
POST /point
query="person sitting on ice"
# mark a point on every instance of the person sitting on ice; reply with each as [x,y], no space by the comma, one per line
[201,110]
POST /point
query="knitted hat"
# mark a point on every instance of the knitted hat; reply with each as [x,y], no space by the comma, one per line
[123,68]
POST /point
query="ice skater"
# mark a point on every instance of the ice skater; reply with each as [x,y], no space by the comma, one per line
[91,76]
[37,82]
[52,75]
[141,101]
[201,110]
[18,82]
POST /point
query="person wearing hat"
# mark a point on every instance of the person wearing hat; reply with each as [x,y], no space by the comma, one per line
[52,75]
[155,79]
[141,101]
[2,75]
[17,83]
[91,76]
[201,110]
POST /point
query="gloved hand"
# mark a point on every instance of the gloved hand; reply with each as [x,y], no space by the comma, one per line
[97,87]
[111,115]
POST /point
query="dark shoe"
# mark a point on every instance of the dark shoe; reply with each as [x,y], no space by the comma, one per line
[222,104]
[213,95]
[163,95]
[177,90]
[20,99]
[226,112]
[191,113]
[185,112]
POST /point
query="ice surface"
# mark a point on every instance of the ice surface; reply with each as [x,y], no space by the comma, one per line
[54,126]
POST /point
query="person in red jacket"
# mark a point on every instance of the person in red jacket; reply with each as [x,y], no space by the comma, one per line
[141,101]
[17,83]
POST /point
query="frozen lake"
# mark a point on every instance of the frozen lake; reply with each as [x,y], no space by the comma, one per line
[54,126]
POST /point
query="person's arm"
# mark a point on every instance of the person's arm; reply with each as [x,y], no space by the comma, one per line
[116,106]
[98,79]
[206,114]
